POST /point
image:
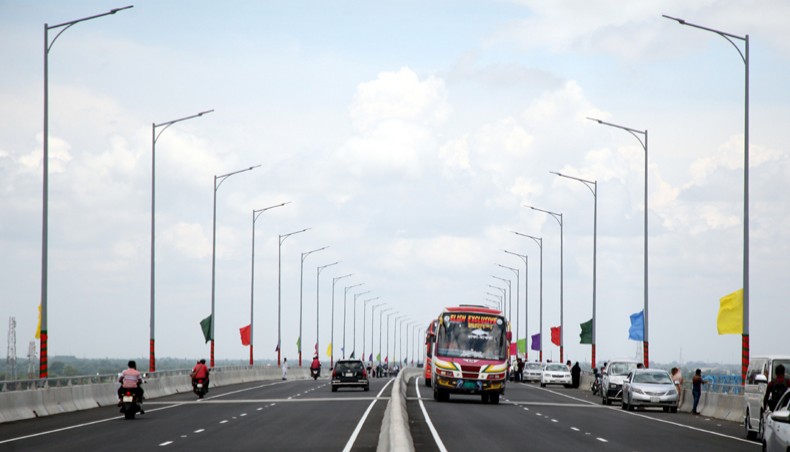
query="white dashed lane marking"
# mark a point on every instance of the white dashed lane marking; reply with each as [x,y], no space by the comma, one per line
[200,430]
[602,440]
[166,443]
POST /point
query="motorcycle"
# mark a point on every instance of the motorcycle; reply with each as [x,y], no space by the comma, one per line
[595,386]
[130,403]
[200,387]
[315,373]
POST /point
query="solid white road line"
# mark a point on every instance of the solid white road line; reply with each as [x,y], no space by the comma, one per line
[434,433]
[354,435]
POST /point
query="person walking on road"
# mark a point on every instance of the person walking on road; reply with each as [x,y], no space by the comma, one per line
[677,379]
[696,389]
[285,368]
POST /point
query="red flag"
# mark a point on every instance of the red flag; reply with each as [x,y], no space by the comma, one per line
[245,334]
[386,359]
[555,335]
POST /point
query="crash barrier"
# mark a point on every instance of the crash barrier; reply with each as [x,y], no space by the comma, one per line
[395,434]
[63,395]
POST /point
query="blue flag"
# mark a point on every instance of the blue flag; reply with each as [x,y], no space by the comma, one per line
[637,330]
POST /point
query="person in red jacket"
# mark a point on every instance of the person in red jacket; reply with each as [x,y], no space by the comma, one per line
[200,372]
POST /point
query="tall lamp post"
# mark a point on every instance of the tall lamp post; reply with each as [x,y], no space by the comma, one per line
[354,344]
[282,238]
[524,258]
[558,217]
[636,134]
[372,324]
[364,312]
[518,295]
[500,297]
[509,306]
[745,57]
[345,302]
[504,296]
[318,271]
[154,137]
[218,180]
[539,242]
[381,313]
[301,278]
[43,369]
[592,185]
[255,215]
[332,338]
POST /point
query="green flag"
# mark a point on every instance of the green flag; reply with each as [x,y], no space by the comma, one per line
[205,325]
[522,345]
[378,356]
[299,344]
[585,337]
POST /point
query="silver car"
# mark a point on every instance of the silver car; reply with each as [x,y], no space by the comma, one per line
[533,371]
[650,388]
[776,426]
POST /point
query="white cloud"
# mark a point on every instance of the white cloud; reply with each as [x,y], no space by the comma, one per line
[188,239]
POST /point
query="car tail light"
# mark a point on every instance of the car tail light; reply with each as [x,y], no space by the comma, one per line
[364,374]
[334,374]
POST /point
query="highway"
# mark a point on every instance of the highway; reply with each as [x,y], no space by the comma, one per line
[557,418]
[306,415]
[293,415]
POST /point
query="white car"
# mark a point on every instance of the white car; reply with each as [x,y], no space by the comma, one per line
[613,376]
[776,426]
[555,374]
[533,371]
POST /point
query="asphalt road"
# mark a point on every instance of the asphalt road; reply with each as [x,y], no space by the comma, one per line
[558,419]
[275,415]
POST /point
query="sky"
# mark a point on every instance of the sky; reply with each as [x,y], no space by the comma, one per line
[408,137]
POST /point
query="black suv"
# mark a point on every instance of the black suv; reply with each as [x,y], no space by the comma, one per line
[350,372]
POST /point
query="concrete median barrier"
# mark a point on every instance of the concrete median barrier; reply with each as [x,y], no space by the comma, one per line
[395,434]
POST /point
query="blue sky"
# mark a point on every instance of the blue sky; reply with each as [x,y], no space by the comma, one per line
[408,136]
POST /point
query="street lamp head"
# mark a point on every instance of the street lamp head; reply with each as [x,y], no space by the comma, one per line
[596,120]
[205,112]
[680,21]
[115,10]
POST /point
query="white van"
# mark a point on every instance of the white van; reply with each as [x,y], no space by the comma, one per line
[762,369]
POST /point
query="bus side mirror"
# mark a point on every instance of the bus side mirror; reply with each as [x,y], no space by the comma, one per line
[510,336]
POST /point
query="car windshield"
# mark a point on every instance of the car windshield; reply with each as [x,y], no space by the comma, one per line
[658,378]
[616,369]
[534,366]
[464,335]
[353,366]
[557,368]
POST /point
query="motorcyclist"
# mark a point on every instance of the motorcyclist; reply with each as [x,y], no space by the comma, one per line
[131,379]
[200,372]
[316,365]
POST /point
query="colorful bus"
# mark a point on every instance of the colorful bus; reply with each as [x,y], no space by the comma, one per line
[430,338]
[470,353]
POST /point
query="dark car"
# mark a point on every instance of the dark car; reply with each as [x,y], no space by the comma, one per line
[350,373]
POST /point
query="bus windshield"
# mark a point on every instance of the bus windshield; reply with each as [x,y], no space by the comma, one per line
[479,336]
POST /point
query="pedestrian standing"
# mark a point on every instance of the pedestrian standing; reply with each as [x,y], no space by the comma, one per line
[677,379]
[285,368]
[576,374]
[696,389]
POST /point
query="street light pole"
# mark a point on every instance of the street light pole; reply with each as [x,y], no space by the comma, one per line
[381,329]
[593,187]
[558,217]
[364,312]
[524,258]
[354,344]
[279,290]
[372,324]
[218,180]
[539,241]
[255,215]
[345,302]
[634,132]
[154,137]
[745,57]
[509,306]
[318,271]
[301,278]
[500,296]
[332,338]
[518,295]
[43,369]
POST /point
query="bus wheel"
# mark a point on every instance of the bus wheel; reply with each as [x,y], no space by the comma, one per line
[494,398]
[484,397]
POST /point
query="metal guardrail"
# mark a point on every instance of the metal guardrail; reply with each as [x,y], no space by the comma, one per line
[59,382]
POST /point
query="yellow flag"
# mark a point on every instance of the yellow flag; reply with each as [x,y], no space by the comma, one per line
[730,319]
[329,350]
[38,327]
